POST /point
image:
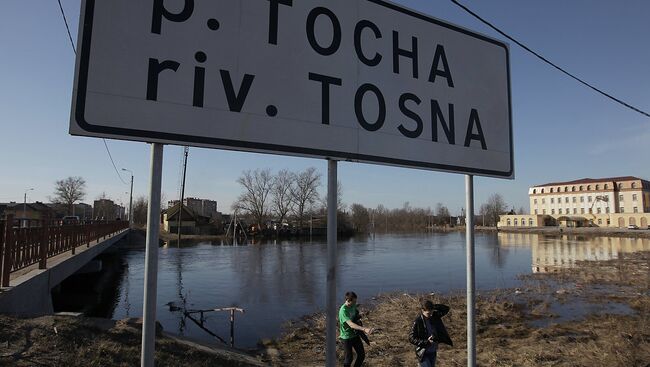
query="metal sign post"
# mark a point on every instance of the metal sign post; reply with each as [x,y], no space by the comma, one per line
[332,200]
[151,259]
[469,238]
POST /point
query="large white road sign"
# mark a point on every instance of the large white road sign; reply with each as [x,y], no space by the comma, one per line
[356,80]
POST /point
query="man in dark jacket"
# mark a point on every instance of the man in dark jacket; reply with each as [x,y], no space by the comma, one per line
[427,331]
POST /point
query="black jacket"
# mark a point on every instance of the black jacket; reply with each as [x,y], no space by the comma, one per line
[419,334]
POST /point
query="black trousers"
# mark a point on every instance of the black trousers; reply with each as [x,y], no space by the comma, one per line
[348,345]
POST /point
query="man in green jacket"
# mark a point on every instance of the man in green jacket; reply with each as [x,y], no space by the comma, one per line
[348,330]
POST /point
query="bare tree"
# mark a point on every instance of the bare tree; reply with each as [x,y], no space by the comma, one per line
[281,194]
[140,208]
[304,192]
[442,214]
[340,205]
[68,191]
[257,187]
[494,207]
[360,218]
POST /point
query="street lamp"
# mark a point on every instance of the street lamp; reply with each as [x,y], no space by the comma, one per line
[130,198]
[25,205]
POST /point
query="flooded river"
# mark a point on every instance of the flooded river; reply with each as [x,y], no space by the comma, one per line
[278,281]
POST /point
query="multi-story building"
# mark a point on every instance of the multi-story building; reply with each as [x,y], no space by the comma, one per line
[591,196]
[106,209]
[203,207]
[607,202]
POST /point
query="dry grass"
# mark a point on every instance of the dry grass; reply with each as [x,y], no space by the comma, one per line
[505,336]
[78,341]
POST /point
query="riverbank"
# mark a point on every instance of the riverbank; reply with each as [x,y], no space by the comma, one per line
[82,341]
[597,314]
[581,231]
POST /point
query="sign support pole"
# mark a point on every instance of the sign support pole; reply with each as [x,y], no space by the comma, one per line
[151,259]
[332,200]
[469,238]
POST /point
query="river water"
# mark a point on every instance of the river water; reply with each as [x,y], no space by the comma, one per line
[277,281]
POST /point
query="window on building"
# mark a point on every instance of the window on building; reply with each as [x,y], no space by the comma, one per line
[508,222]
[551,189]
[566,188]
[589,199]
[534,191]
[573,188]
[582,199]
[516,222]
[552,200]
[573,199]
[591,210]
[582,210]
[588,187]
[575,211]
[633,197]
[600,221]
[552,211]
[542,191]
[559,211]
[530,222]
[620,198]
[606,186]
[598,210]
[566,199]
[633,185]
[636,210]
[607,210]
[622,210]
[535,201]
[597,187]
[620,186]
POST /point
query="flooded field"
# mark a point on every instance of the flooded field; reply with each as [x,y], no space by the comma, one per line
[276,282]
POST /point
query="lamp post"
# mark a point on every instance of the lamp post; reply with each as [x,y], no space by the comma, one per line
[25,206]
[130,198]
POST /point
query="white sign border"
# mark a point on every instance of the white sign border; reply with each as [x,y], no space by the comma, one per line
[79,102]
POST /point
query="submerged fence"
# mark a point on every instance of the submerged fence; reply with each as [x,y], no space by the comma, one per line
[22,247]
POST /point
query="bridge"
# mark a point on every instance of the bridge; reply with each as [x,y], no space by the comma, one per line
[35,260]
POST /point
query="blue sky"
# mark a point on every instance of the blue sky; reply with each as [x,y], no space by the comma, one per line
[562,130]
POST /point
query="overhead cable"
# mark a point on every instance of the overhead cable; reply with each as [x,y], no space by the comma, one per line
[549,62]
[74,49]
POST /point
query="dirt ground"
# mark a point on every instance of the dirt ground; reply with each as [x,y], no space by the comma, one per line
[79,341]
[506,319]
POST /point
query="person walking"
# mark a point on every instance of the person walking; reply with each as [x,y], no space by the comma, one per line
[349,331]
[428,331]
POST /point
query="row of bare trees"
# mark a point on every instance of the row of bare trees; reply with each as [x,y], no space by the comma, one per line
[281,195]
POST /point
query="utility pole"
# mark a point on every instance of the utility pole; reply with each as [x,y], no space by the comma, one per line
[25,207]
[130,199]
[186,150]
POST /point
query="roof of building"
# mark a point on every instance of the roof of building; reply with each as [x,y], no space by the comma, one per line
[592,180]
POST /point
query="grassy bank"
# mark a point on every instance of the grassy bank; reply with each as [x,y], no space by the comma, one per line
[515,327]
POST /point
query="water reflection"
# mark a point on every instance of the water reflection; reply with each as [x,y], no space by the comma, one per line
[551,253]
[276,281]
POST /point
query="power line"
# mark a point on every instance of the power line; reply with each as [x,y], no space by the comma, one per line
[74,49]
[65,20]
[111,157]
[549,62]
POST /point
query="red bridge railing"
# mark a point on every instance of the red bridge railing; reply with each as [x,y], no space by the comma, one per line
[22,247]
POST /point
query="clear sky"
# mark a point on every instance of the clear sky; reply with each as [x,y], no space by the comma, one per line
[562,130]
